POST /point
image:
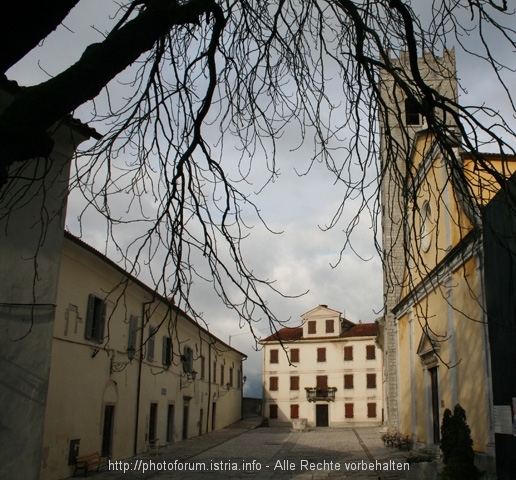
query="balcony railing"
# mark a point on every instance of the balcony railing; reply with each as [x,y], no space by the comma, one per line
[314,394]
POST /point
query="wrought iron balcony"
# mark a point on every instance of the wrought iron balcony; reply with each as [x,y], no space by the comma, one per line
[314,394]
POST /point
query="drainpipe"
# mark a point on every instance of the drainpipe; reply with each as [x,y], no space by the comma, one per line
[209,388]
[138,387]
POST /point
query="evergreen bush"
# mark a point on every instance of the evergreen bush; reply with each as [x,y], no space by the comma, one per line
[457,446]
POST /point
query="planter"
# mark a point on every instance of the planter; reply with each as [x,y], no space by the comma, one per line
[299,424]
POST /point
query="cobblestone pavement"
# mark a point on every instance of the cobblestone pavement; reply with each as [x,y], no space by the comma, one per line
[244,451]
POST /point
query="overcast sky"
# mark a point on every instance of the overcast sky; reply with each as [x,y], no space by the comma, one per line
[301,258]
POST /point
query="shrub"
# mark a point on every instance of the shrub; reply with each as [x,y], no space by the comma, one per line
[457,446]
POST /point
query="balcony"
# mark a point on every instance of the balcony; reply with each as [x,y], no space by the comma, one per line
[314,394]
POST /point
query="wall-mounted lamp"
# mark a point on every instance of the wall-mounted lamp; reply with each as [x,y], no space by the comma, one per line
[188,380]
[244,378]
[119,366]
[222,391]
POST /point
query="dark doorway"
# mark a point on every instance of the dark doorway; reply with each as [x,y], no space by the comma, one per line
[213,410]
[170,424]
[201,414]
[107,431]
[152,422]
[321,415]
[186,407]
[436,420]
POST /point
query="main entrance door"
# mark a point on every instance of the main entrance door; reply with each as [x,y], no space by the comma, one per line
[321,415]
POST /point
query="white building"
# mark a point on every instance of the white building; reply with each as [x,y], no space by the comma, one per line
[328,371]
[129,369]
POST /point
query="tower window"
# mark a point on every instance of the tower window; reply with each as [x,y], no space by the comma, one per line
[412,116]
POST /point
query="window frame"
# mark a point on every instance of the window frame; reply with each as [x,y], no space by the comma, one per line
[370,352]
[349,381]
[348,353]
[321,354]
[294,358]
[294,382]
[330,326]
[312,327]
[274,355]
[371,380]
[273,384]
[95,319]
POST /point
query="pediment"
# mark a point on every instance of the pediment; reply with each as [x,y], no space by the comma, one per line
[320,311]
[428,344]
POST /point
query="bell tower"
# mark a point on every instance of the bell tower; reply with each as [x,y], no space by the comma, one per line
[400,122]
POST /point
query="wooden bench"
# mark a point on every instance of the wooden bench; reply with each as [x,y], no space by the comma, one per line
[89,462]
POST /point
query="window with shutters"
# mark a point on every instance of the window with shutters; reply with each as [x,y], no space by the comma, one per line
[330,326]
[274,356]
[371,410]
[294,355]
[166,355]
[348,410]
[150,343]
[222,374]
[214,372]
[348,353]
[321,354]
[322,385]
[370,352]
[230,376]
[95,319]
[133,329]
[348,381]
[294,383]
[273,384]
[294,411]
[371,380]
[273,411]
[312,326]
[203,366]
[187,359]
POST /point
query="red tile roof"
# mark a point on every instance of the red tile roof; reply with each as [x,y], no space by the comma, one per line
[296,333]
[361,330]
[286,335]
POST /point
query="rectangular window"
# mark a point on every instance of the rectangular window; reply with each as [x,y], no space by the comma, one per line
[294,355]
[371,380]
[230,376]
[95,319]
[214,372]
[322,385]
[203,366]
[239,378]
[294,383]
[274,356]
[187,359]
[312,326]
[370,352]
[371,410]
[166,354]
[131,338]
[348,410]
[321,354]
[348,381]
[150,343]
[222,374]
[412,116]
[273,411]
[348,353]
[273,384]
[330,326]
[294,411]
